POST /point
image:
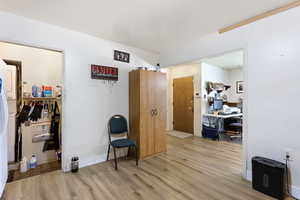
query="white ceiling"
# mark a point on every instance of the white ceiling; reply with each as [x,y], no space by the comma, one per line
[227,61]
[147,24]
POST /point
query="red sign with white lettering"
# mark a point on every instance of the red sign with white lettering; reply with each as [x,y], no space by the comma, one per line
[104,72]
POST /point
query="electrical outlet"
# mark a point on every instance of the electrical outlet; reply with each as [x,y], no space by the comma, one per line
[288,153]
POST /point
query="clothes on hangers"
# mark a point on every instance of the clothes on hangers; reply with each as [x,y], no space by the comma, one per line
[36,113]
[23,116]
[32,112]
[18,145]
[53,143]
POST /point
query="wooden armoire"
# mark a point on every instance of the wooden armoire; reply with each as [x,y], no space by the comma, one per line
[147,111]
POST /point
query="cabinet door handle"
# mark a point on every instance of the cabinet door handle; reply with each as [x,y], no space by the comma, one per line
[152,112]
[155,112]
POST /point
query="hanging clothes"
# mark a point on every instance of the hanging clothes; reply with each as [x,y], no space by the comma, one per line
[54,143]
[31,112]
[36,113]
[23,116]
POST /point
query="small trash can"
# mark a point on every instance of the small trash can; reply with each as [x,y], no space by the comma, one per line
[268,177]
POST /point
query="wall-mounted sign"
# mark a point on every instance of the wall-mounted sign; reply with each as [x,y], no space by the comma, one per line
[121,56]
[104,72]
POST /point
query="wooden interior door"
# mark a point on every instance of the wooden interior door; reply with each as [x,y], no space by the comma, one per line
[183,104]
[160,94]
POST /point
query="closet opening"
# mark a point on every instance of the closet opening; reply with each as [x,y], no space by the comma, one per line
[33,83]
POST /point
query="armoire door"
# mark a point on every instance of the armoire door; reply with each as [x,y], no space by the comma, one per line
[160,108]
[147,138]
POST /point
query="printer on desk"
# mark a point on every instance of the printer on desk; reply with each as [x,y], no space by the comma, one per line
[229,110]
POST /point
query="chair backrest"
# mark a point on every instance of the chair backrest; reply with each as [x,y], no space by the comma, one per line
[117,125]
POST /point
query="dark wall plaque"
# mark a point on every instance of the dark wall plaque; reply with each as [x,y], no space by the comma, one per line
[121,56]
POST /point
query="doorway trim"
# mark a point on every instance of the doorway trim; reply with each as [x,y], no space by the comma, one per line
[245,173]
[18,65]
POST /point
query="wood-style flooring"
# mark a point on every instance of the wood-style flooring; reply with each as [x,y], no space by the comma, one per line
[192,169]
[15,175]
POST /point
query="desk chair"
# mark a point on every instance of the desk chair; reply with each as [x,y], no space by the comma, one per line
[117,125]
[238,126]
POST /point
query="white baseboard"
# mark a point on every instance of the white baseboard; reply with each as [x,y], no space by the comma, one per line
[294,189]
[86,162]
[99,159]
[249,175]
[2,186]
[92,160]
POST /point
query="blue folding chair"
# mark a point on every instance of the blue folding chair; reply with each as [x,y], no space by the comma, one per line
[117,125]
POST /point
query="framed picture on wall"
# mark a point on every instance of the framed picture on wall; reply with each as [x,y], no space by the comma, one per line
[239,87]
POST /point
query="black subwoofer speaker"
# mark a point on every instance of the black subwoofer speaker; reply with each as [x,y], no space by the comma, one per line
[268,177]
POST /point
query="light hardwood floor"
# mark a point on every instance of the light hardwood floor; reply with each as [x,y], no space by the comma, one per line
[192,168]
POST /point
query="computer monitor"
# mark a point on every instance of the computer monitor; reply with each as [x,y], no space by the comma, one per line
[218,104]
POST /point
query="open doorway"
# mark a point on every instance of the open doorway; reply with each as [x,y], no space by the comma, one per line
[219,106]
[222,93]
[33,80]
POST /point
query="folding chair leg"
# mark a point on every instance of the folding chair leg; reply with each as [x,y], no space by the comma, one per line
[128,150]
[241,135]
[116,165]
[136,156]
[108,152]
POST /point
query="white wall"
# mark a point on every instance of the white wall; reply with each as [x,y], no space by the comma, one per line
[39,66]
[3,131]
[272,68]
[88,104]
[3,159]
[180,72]
[214,74]
[234,75]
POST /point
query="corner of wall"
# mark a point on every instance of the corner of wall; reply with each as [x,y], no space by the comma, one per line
[2,187]
[248,175]
[295,191]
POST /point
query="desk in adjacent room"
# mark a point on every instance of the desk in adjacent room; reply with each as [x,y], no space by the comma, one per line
[218,128]
[223,116]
